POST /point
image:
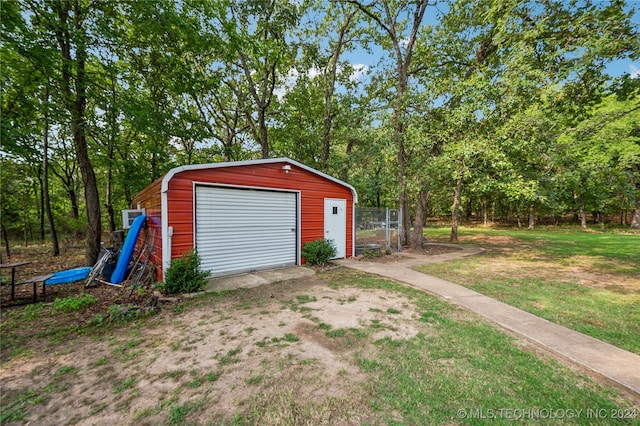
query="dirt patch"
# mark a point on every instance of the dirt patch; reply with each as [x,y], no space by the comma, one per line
[43,262]
[284,348]
[583,275]
[428,250]
[491,240]
[433,249]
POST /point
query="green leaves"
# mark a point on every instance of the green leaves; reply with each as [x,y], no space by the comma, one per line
[184,275]
[511,96]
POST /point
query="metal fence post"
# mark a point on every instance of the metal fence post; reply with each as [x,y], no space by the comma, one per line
[400,230]
[387,231]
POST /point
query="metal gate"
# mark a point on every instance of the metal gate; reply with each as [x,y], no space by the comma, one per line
[378,229]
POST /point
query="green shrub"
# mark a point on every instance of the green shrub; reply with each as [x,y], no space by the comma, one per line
[184,275]
[318,252]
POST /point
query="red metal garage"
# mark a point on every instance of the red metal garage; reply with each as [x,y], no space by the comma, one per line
[246,215]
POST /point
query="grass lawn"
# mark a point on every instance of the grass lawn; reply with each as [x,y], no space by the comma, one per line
[586,281]
[460,365]
[341,347]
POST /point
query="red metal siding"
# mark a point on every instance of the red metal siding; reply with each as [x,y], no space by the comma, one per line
[313,190]
[180,199]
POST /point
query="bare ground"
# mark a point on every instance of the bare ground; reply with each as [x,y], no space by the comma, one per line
[42,262]
[581,269]
[264,351]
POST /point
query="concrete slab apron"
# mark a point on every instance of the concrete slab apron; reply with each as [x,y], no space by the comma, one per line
[612,363]
[255,279]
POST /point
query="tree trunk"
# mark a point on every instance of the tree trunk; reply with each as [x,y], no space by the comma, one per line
[417,237]
[112,117]
[73,199]
[264,139]
[45,178]
[485,213]
[261,100]
[347,162]
[583,213]
[25,223]
[109,195]
[456,210]
[398,138]
[635,219]
[92,198]
[41,207]
[329,88]
[5,237]
[532,218]
[75,100]
[403,61]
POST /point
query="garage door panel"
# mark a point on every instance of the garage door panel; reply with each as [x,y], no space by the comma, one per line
[244,245]
[264,226]
[241,239]
[232,264]
[241,230]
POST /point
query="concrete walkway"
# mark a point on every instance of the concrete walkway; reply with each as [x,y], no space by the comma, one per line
[620,367]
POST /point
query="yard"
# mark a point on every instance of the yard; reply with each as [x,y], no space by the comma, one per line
[340,347]
[589,282]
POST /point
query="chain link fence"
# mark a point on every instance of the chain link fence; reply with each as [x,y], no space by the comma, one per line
[378,229]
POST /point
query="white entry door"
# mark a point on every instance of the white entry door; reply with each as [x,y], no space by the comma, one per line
[335,224]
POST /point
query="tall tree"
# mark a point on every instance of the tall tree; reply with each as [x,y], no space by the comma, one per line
[69,22]
[26,108]
[260,49]
[493,60]
[328,59]
[399,23]
[45,174]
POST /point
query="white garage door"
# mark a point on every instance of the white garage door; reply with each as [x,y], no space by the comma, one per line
[241,230]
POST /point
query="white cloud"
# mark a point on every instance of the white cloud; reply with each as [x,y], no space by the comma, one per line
[359,70]
[634,71]
[314,72]
[289,81]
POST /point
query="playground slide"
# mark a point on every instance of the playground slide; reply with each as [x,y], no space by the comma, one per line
[127,250]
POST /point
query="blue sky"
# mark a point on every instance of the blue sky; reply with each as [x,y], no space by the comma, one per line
[618,68]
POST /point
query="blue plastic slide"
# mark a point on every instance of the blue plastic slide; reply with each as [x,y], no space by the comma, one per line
[69,276]
[127,250]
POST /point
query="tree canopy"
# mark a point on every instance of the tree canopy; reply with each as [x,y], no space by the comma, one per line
[493,110]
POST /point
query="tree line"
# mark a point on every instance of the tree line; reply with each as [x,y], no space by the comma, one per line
[485,109]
